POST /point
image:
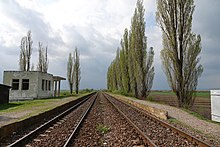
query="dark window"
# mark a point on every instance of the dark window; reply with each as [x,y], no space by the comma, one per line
[25,84]
[46,85]
[43,84]
[15,84]
[49,85]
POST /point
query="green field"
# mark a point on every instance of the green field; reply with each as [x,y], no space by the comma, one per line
[37,106]
[205,94]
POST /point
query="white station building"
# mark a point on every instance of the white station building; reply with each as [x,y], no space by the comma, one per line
[31,84]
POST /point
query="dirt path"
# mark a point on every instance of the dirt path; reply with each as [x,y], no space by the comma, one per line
[205,127]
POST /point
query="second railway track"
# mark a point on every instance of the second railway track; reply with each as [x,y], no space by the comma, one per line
[158,131]
[103,120]
[57,131]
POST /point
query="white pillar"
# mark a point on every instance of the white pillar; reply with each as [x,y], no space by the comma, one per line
[55,90]
[59,88]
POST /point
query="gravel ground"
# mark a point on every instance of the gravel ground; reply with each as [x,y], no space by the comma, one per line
[104,126]
[18,134]
[88,135]
[209,131]
[159,134]
[58,134]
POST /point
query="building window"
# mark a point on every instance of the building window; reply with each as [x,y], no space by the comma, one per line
[15,84]
[43,84]
[49,85]
[46,85]
[25,84]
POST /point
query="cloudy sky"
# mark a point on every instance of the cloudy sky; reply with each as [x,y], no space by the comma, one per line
[96,27]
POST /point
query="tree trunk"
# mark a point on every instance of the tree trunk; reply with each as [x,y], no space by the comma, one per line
[71,88]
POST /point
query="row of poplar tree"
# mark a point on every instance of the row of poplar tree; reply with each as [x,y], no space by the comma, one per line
[73,71]
[26,52]
[132,71]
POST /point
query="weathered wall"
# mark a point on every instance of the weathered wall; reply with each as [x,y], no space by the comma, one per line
[35,81]
[153,111]
[45,93]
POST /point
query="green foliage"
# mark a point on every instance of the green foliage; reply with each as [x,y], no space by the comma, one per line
[70,72]
[42,59]
[25,52]
[9,106]
[181,48]
[37,105]
[73,71]
[205,94]
[124,63]
[132,70]
[102,129]
[76,70]
[150,98]
[173,120]
[66,93]
[87,90]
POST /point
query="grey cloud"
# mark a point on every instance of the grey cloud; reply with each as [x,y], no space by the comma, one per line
[25,17]
[206,17]
[41,31]
[95,46]
[101,49]
[32,20]
[206,23]
[76,39]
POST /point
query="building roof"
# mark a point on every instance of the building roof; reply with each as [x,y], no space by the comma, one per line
[58,78]
[6,86]
[13,71]
[55,78]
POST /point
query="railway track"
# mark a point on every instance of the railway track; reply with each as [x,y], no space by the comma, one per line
[145,138]
[58,131]
[158,131]
[102,120]
[113,129]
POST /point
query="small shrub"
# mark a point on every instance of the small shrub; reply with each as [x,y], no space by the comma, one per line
[102,128]
[150,98]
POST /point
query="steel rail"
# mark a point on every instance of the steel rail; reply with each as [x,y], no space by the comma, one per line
[189,137]
[26,137]
[72,136]
[145,138]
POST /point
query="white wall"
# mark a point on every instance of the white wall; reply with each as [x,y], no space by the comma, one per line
[215,105]
[35,82]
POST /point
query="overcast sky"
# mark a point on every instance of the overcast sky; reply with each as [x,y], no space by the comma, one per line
[96,27]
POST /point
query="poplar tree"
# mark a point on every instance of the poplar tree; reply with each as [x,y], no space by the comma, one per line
[109,81]
[76,70]
[25,52]
[70,73]
[118,70]
[124,62]
[181,48]
[132,70]
[42,59]
[144,70]
[133,85]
